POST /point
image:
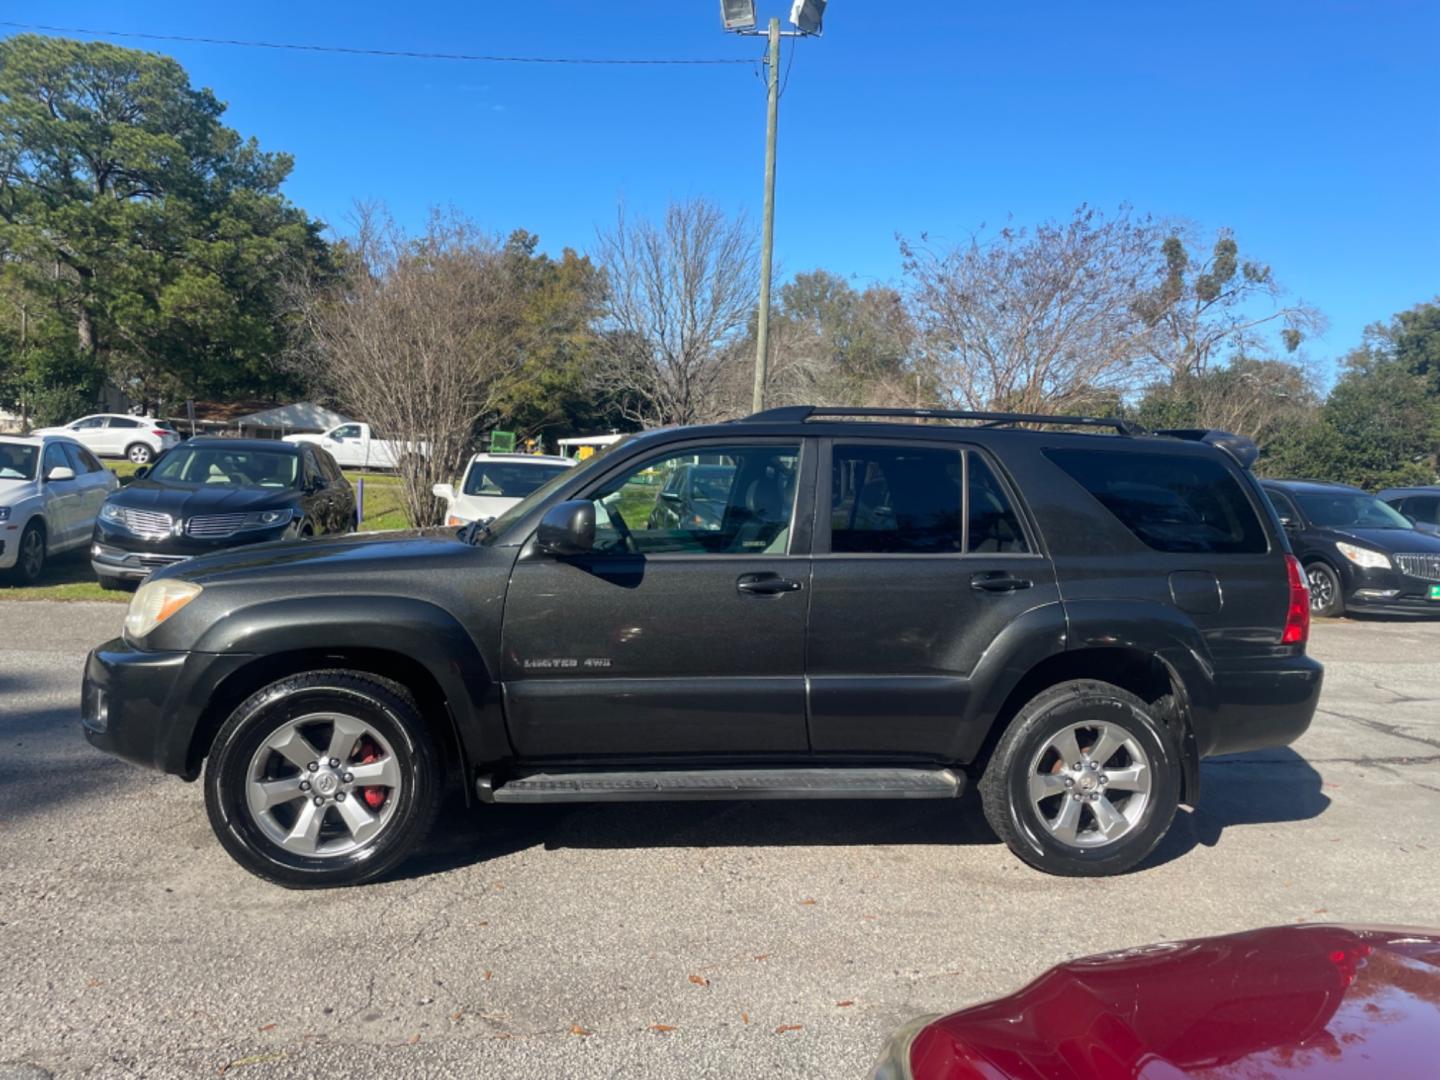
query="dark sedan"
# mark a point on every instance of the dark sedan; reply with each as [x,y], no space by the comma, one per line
[1420,504]
[1359,553]
[211,494]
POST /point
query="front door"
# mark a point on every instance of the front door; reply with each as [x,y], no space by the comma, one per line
[62,498]
[921,560]
[672,637]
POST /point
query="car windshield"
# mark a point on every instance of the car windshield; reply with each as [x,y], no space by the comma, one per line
[17,461]
[1351,511]
[512,479]
[501,525]
[231,468]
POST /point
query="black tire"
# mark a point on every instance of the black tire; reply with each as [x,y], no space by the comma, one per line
[386,708]
[30,555]
[140,453]
[114,583]
[1327,601]
[1021,824]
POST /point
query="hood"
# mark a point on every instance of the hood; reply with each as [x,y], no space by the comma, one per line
[1286,1001]
[15,489]
[187,500]
[1389,540]
[324,557]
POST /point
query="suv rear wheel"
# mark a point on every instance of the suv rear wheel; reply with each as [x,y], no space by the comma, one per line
[326,778]
[139,453]
[1084,782]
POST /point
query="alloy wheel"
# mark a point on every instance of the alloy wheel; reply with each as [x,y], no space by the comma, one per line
[1090,783]
[1322,589]
[32,554]
[323,785]
[139,454]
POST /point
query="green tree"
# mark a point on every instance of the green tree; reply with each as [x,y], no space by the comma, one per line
[153,237]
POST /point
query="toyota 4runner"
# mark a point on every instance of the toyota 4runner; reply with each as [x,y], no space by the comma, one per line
[1064,611]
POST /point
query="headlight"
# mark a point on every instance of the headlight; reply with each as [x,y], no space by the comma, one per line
[112,512]
[267,519]
[4,513]
[894,1063]
[156,601]
[1375,560]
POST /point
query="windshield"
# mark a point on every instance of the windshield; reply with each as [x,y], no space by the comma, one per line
[512,479]
[231,468]
[17,462]
[498,528]
[1347,511]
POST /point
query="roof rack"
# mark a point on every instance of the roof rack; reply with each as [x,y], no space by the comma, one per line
[794,414]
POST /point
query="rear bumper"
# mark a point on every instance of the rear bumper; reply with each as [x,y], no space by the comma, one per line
[1259,704]
[144,706]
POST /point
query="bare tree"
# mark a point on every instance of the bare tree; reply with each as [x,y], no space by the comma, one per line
[1219,301]
[680,291]
[1036,320]
[417,340]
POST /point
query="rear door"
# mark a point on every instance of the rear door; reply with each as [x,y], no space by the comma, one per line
[921,559]
[121,432]
[669,639]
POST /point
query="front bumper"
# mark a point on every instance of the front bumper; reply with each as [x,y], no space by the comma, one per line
[117,552]
[144,706]
[1257,704]
[1374,591]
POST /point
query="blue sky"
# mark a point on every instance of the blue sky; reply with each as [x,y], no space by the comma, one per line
[1311,128]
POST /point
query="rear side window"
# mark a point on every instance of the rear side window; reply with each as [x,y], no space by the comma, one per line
[909,500]
[1171,502]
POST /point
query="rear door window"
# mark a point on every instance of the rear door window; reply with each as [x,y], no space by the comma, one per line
[913,500]
[1170,502]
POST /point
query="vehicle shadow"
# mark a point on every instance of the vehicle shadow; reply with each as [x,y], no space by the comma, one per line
[1258,788]
[1268,786]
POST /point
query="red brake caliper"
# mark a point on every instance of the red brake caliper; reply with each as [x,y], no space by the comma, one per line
[367,752]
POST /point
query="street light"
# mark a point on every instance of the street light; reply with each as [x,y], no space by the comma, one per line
[739,17]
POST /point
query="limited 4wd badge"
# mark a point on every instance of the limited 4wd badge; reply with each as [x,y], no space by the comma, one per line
[564,663]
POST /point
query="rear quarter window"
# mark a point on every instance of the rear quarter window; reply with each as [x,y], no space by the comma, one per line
[1178,503]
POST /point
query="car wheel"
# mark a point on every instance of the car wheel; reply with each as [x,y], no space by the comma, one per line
[325,778]
[139,453]
[30,555]
[1084,782]
[1326,600]
[114,583]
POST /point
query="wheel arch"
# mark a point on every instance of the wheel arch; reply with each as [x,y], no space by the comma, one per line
[1146,674]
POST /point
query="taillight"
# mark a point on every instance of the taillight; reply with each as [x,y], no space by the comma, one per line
[1297,618]
[160,434]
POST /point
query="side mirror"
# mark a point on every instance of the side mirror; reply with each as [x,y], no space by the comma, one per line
[670,496]
[142,472]
[568,528]
[1287,522]
[444,491]
[61,472]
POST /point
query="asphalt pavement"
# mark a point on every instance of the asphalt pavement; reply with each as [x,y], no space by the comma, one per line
[682,940]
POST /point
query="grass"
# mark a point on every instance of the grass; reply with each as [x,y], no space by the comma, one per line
[69,577]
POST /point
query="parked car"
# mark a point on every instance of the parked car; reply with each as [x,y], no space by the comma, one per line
[1360,554]
[888,610]
[495,482]
[140,439]
[1293,1001]
[217,493]
[51,488]
[693,497]
[356,446]
[1420,504]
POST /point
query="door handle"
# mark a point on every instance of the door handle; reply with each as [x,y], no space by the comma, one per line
[998,581]
[765,584]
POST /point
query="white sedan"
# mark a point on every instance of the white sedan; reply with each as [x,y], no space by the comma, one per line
[495,482]
[140,439]
[51,488]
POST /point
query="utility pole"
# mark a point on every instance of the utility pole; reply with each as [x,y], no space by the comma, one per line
[767,233]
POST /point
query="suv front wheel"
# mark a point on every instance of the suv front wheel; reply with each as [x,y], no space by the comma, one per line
[325,778]
[1084,782]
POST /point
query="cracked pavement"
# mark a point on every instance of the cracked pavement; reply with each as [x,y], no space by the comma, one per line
[649,939]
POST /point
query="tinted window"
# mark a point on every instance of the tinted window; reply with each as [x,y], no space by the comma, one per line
[1424,508]
[237,468]
[327,465]
[54,459]
[1171,502]
[123,421]
[512,479]
[312,468]
[1350,510]
[993,524]
[1283,506]
[17,462]
[899,500]
[751,515]
[90,423]
[80,460]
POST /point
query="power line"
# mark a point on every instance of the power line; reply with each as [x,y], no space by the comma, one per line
[352,51]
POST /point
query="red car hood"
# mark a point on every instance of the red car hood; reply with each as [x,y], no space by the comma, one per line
[1313,1001]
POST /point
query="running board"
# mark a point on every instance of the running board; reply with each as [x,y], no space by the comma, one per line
[658,785]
